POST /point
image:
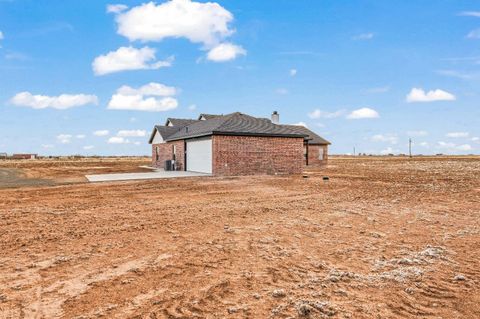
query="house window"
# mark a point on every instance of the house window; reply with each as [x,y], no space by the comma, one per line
[157,153]
[320,154]
[174,151]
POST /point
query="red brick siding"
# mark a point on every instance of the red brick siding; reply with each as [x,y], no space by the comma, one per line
[165,152]
[314,155]
[249,155]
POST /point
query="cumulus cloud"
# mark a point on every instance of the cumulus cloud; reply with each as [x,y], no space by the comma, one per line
[363,113]
[317,114]
[476,139]
[117,140]
[388,138]
[61,102]
[364,36]
[132,133]
[153,97]
[101,133]
[80,136]
[116,8]
[225,52]
[458,134]
[204,23]
[293,72]
[127,59]
[417,133]
[454,147]
[152,88]
[419,95]
[64,138]
[474,34]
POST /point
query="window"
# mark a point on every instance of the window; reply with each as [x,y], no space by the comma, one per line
[174,151]
[157,153]
[320,153]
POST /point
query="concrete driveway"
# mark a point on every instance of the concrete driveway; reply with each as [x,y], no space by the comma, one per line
[141,176]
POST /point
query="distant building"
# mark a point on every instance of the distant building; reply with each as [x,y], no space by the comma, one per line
[3,155]
[24,156]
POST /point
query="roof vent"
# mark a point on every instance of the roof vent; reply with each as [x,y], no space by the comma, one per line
[275,117]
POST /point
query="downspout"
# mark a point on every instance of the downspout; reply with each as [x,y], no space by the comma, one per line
[306,155]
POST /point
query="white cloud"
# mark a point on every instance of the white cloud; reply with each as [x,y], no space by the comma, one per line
[419,95]
[206,23]
[1,35]
[458,134]
[88,147]
[388,150]
[132,133]
[144,98]
[389,138]
[293,72]
[453,147]
[80,136]
[476,139]
[464,147]
[317,114]
[61,102]
[364,36]
[152,88]
[225,52]
[423,144]
[475,14]
[116,8]
[47,146]
[417,133]
[301,124]
[101,133]
[117,140]
[363,113]
[128,58]
[474,34]
[64,138]
[192,107]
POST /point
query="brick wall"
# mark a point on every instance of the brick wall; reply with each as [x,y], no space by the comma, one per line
[165,153]
[314,155]
[248,155]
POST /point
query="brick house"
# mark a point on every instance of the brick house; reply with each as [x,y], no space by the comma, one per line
[236,144]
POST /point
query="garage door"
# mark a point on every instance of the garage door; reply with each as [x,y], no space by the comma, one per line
[199,155]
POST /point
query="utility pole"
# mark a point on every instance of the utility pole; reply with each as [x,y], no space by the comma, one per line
[410,147]
[354,151]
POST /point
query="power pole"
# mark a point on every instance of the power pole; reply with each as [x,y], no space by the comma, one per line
[354,151]
[410,147]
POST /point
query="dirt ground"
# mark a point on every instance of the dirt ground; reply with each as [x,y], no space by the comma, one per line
[22,173]
[383,238]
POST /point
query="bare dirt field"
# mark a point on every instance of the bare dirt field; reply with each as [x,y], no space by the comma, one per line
[384,238]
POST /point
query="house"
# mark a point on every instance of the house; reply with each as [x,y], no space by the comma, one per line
[236,144]
[24,156]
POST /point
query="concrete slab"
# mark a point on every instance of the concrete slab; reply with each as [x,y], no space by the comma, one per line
[142,176]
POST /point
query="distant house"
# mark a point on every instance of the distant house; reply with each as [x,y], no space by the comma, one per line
[24,156]
[236,144]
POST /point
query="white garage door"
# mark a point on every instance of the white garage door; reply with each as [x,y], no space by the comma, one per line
[199,155]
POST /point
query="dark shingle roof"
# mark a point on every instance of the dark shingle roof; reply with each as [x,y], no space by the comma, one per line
[207,116]
[312,137]
[165,131]
[234,124]
[180,122]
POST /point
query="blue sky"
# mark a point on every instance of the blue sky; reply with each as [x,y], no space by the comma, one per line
[364,74]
